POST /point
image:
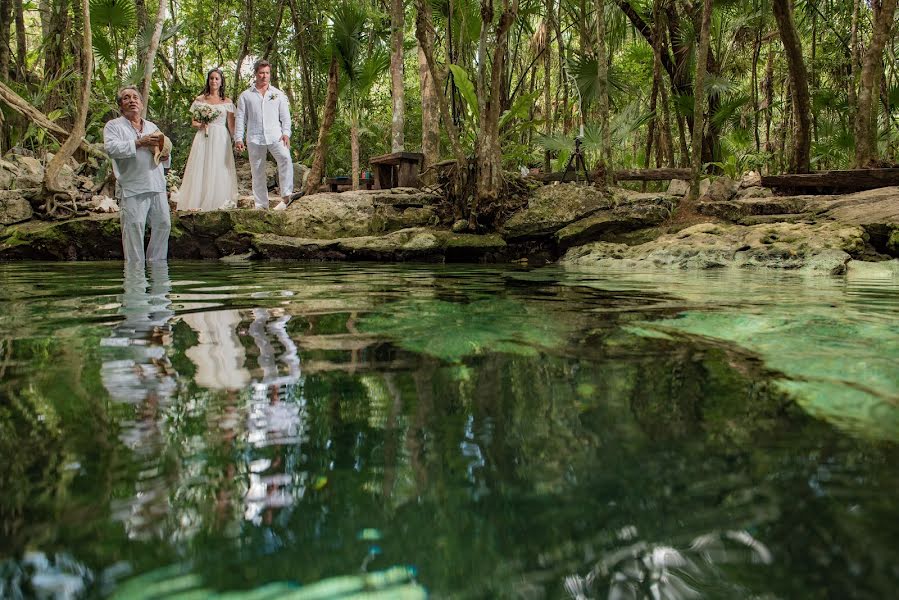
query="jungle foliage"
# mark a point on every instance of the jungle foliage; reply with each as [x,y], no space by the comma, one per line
[787,85]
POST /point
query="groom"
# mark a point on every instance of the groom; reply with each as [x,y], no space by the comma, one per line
[263,111]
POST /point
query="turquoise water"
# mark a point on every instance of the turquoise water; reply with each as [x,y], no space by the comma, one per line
[316,430]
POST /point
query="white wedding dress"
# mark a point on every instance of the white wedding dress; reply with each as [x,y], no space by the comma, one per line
[210,178]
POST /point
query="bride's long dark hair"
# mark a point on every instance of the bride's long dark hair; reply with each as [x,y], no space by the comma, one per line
[207,91]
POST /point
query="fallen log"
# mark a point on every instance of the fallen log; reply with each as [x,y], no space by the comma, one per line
[662,174]
[849,180]
[21,106]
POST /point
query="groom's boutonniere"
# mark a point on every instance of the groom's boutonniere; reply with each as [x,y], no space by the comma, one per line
[274,96]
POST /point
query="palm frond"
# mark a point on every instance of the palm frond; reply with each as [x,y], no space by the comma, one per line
[114,14]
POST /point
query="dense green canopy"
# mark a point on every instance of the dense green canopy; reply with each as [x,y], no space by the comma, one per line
[790,86]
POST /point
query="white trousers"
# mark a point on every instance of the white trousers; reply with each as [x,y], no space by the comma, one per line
[135,212]
[257,154]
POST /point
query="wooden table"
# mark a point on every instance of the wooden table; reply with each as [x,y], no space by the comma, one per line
[398,169]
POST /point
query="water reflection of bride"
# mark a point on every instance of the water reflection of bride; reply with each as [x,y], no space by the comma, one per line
[218,356]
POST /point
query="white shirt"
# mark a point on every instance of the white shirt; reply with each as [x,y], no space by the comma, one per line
[134,169]
[266,119]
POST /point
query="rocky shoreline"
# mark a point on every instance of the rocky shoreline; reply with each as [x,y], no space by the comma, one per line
[739,225]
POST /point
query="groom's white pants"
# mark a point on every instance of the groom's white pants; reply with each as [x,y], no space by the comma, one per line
[257,154]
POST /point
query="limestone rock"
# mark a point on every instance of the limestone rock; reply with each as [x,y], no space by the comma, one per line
[103,204]
[736,210]
[406,244]
[750,179]
[621,219]
[31,171]
[348,214]
[8,174]
[678,187]
[889,270]
[880,206]
[300,175]
[14,210]
[708,245]
[721,189]
[553,207]
[753,192]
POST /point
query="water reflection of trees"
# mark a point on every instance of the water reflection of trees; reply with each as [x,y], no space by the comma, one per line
[494,470]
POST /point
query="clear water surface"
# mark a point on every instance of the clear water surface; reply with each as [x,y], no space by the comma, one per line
[360,430]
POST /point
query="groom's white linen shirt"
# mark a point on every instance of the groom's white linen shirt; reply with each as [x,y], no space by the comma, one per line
[135,172]
[265,119]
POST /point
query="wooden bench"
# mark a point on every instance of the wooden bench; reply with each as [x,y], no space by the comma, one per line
[342,184]
[398,169]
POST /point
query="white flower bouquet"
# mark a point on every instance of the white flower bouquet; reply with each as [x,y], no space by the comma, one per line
[205,114]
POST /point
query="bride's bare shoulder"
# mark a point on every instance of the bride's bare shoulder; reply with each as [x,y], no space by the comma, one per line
[227,100]
[200,98]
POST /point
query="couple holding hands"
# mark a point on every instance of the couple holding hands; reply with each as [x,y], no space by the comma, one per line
[210,178]
[140,153]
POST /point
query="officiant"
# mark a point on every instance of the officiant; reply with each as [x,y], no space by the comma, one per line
[140,155]
[263,111]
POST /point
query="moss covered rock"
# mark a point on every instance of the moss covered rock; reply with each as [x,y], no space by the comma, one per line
[553,207]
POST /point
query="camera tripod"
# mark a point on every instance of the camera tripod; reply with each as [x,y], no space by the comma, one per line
[577,160]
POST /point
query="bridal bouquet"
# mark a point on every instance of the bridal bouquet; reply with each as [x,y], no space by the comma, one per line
[205,114]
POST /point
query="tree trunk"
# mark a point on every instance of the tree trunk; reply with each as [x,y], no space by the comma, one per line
[756,55]
[802,140]
[19,105]
[424,32]
[321,147]
[489,163]
[55,44]
[354,151]
[305,68]
[270,44]
[398,119]
[602,73]
[21,45]
[430,113]
[768,88]
[143,19]
[51,176]
[150,56]
[5,28]
[866,114]
[547,82]
[853,57]
[702,54]
[244,48]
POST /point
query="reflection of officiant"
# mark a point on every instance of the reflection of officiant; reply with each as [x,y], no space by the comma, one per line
[138,368]
[136,371]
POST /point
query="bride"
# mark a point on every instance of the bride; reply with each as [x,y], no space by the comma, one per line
[210,179]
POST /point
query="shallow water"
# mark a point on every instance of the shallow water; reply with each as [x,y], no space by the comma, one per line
[456,431]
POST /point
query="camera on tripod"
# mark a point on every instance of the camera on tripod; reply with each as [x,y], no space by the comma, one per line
[577,162]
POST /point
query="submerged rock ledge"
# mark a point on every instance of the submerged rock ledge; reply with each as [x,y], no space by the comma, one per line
[578,225]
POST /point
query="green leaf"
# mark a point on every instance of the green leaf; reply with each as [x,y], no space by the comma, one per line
[466,89]
[115,14]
